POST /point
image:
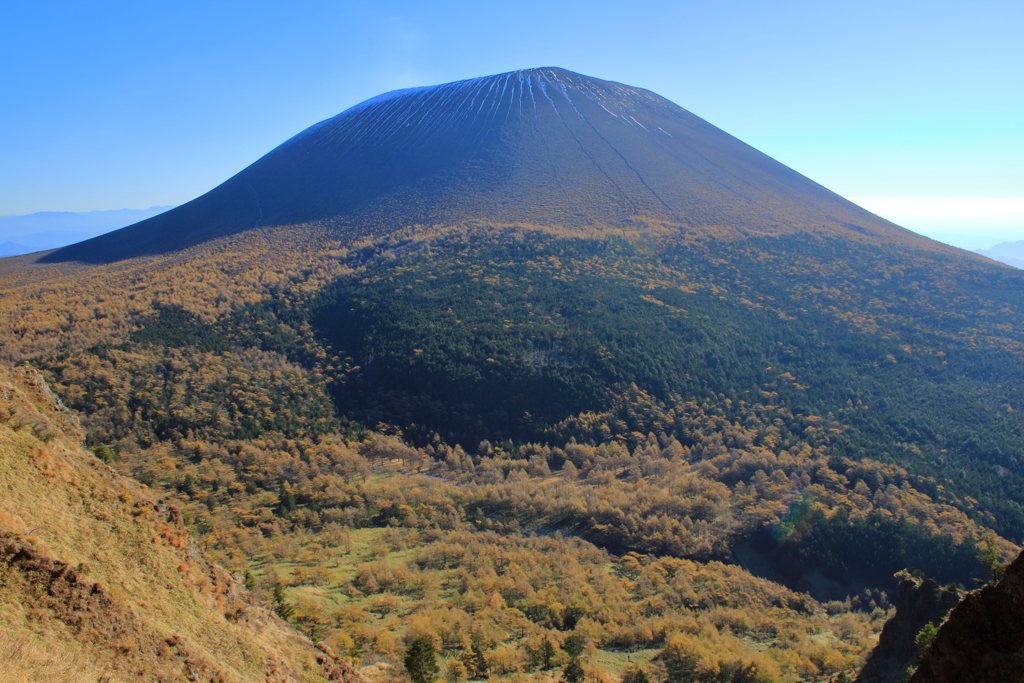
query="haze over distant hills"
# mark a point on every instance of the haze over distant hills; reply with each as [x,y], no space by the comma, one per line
[1010,253]
[52,229]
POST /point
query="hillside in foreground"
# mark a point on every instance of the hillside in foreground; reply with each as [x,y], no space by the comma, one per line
[99,581]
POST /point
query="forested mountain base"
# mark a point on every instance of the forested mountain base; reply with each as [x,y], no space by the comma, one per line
[453,427]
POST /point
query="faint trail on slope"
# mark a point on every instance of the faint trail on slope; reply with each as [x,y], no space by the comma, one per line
[259,224]
[630,166]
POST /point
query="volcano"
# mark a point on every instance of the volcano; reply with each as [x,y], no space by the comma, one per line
[541,257]
[539,146]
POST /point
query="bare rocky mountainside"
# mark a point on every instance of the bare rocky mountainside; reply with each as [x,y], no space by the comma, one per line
[530,373]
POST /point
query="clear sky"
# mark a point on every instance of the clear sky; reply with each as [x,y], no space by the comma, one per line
[913,109]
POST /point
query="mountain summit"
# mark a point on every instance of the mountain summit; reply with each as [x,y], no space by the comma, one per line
[543,146]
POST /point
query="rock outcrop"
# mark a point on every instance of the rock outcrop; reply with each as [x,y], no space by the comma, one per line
[918,603]
[983,639]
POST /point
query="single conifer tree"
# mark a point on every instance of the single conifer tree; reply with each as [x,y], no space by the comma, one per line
[420,660]
[477,663]
[573,646]
[573,671]
[288,503]
[547,654]
[281,606]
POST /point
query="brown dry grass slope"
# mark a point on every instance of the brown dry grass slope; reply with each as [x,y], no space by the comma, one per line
[98,581]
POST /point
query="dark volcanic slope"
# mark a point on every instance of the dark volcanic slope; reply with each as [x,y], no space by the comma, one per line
[544,146]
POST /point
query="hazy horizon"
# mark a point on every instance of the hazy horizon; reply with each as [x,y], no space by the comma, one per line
[899,210]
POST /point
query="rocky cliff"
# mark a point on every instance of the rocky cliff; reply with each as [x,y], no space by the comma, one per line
[919,602]
[983,639]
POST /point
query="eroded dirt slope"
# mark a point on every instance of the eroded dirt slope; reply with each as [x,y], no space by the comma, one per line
[98,581]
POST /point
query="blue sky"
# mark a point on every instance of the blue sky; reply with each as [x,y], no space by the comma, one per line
[913,109]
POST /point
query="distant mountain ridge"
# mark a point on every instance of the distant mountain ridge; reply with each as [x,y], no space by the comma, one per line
[539,146]
[1010,253]
[52,229]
